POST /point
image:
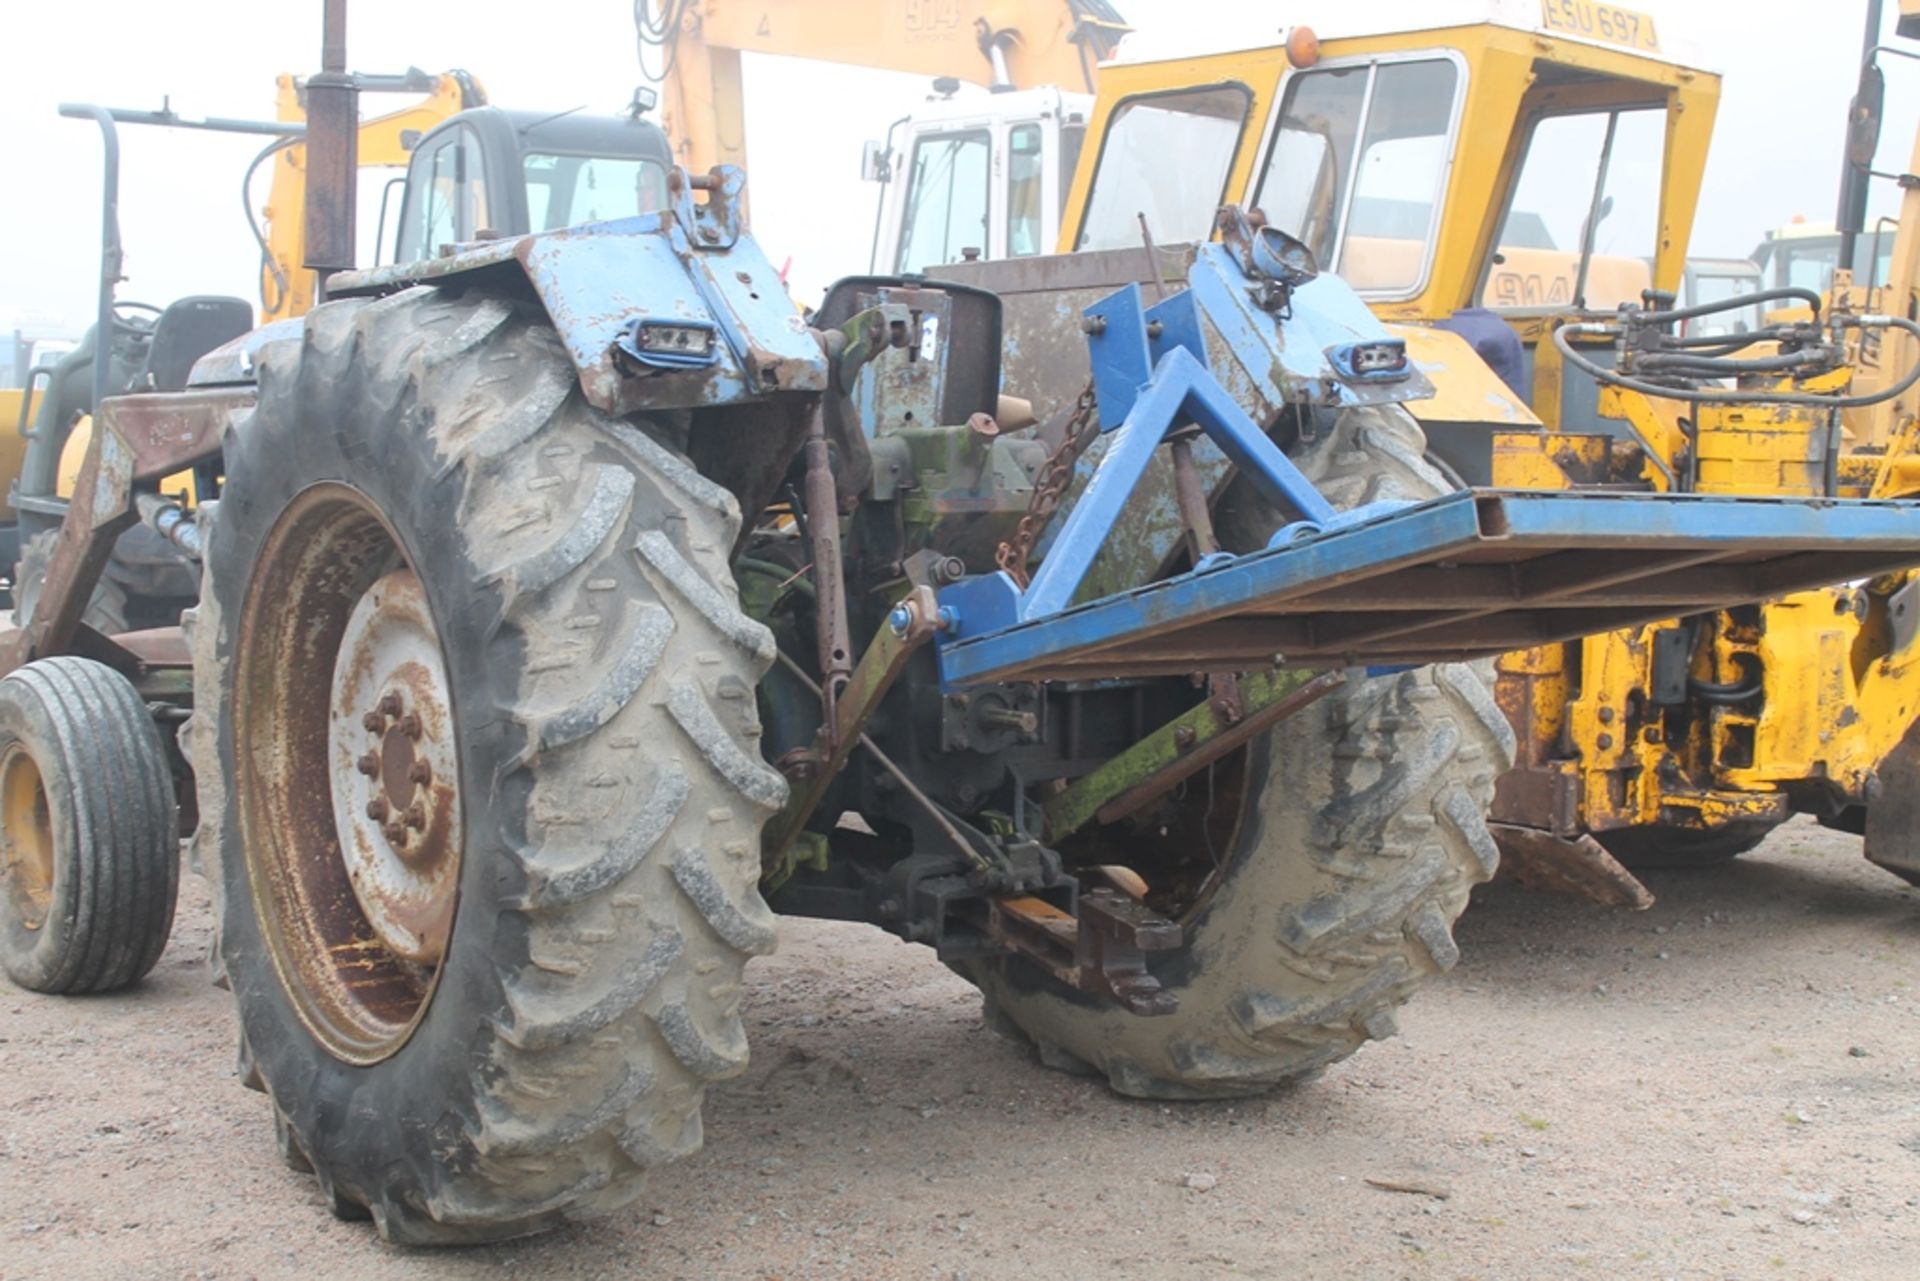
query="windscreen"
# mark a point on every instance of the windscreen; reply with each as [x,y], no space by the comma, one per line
[1358,167]
[566,191]
[1584,220]
[947,199]
[1166,156]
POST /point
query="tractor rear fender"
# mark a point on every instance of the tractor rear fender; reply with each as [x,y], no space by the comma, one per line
[675,310]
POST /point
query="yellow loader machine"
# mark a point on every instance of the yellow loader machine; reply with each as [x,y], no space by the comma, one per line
[567,601]
[1520,200]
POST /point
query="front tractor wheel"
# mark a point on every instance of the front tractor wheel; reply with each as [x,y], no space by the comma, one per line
[479,776]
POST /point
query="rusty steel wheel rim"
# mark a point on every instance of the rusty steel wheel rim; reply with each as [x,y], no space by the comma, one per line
[26,827]
[347,770]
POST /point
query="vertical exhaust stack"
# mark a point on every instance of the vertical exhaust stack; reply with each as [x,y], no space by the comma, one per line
[1863,133]
[333,144]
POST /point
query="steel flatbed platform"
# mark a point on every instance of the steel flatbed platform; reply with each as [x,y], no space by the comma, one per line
[1464,576]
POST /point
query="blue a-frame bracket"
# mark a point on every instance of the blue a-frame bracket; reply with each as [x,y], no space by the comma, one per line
[1151,379]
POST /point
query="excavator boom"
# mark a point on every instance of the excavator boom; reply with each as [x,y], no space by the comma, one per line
[692,51]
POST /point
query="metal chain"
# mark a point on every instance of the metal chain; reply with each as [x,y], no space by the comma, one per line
[1050,486]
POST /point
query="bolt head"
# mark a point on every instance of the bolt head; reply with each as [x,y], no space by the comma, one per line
[420,772]
[948,619]
[390,703]
[368,764]
[396,833]
[410,725]
[416,816]
[374,722]
[377,809]
[900,620]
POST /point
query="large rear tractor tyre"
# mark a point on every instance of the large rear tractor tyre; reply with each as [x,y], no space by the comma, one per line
[106,613]
[89,840]
[479,772]
[1654,848]
[1359,828]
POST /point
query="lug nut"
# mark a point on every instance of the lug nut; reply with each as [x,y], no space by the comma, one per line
[416,815]
[369,764]
[410,725]
[374,722]
[377,809]
[396,833]
[390,703]
[420,772]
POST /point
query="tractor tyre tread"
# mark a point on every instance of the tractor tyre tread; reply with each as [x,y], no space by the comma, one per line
[625,840]
[1337,910]
[106,612]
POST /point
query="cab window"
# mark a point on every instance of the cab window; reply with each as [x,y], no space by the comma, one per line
[1584,217]
[947,199]
[1358,167]
[1025,191]
[567,191]
[1166,156]
[446,196]
[1706,286]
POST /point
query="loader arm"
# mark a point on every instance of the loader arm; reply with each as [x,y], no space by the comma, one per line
[696,47]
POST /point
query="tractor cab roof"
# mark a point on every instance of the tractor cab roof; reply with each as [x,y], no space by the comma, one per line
[570,133]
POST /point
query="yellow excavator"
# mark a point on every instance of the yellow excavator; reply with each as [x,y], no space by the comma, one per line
[692,51]
[1426,165]
[1013,82]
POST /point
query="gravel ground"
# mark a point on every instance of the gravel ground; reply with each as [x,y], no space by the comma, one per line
[1727,1085]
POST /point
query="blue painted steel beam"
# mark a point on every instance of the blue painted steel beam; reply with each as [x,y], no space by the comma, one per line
[1791,544]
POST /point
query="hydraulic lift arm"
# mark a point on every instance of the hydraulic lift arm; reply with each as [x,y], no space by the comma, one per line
[691,49]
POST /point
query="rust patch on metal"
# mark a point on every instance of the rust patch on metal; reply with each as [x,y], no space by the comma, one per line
[1579,866]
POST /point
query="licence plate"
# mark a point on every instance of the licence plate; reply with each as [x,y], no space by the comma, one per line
[1608,22]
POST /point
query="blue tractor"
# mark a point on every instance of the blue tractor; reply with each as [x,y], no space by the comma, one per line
[570,604]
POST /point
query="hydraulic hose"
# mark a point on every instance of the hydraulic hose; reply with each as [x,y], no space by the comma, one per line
[1735,396]
[270,269]
[1716,366]
[1739,302]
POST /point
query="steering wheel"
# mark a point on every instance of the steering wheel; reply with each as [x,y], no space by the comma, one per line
[139,320]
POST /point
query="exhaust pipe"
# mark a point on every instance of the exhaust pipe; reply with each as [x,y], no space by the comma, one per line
[333,152]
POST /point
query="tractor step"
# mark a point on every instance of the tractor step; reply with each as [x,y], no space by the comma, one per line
[1467,575]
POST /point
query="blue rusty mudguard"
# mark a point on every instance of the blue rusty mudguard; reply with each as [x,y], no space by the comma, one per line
[692,263]
[1467,575]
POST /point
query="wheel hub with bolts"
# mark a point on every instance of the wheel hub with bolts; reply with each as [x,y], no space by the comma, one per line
[394,769]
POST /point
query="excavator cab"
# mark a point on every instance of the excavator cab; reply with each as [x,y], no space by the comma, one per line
[489,172]
[975,174]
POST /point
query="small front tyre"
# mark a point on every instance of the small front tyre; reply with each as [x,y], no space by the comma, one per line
[89,840]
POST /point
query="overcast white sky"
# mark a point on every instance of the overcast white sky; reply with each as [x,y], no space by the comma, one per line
[1789,68]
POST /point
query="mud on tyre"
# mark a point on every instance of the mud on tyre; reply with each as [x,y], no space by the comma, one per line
[1355,833]
[508,983]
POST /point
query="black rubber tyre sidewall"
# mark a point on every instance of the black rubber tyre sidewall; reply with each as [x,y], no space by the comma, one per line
[1657,848]
[112,901]
[349,1113]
